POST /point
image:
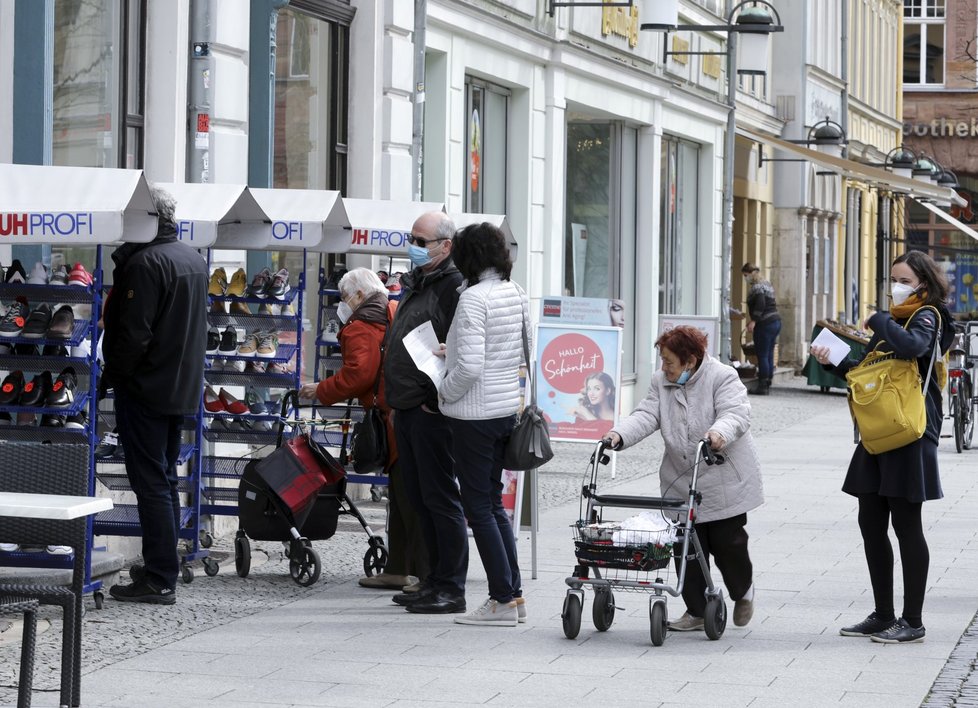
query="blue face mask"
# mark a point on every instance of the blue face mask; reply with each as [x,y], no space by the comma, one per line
[418,256]
[683,377]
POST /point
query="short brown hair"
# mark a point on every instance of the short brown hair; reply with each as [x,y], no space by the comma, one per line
[685,342]
[749,268]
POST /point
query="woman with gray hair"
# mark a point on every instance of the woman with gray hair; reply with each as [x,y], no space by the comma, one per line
[365,313]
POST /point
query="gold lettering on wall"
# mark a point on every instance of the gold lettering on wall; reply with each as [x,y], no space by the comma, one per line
[711,66]
[680,45]
[620,21]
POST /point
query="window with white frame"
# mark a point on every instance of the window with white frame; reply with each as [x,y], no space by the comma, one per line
[923,41]
[486,146]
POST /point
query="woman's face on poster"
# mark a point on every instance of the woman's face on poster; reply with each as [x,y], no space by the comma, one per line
[597,392]
[616,310]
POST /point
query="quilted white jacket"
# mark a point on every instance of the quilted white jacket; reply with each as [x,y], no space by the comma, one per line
[484,351]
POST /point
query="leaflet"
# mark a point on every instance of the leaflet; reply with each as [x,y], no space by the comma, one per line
[838,348]
[421,343]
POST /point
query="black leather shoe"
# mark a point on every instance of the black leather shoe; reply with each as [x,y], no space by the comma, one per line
[441,603]
[408,598]
[36,390]
[62,392]
[11,389]
[900,633]
[868,627]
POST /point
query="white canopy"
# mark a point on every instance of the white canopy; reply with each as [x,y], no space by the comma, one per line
[219,216]
[381,227]
[305,218]
[500,221]
[74,206]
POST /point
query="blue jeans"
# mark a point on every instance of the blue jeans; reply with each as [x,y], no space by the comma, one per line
[765,336]
[479,446]
[424,449]
[152,445]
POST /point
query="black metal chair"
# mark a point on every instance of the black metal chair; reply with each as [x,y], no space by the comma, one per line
[13,606]
[51,469]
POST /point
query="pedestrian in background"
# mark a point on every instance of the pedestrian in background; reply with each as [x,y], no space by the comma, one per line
[764,324]
[696,397]
[154,345]
[365,312]
[480,395]
[892,486]
[429,293]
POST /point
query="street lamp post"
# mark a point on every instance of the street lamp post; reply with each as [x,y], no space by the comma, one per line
[756,20]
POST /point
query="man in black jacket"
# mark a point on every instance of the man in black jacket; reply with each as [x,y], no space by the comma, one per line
[154,345]
[424,440]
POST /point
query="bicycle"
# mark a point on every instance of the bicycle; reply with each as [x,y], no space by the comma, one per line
[961,384]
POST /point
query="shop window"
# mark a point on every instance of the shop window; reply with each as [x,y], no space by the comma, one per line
[98,83]
[486,145]
[311,59]
[923,42]
[600,238]
[679,245]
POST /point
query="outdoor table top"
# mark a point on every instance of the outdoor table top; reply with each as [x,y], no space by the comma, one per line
[50,506]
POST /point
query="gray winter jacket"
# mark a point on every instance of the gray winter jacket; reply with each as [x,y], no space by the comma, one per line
[714,399]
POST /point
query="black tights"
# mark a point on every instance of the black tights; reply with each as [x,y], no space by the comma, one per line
[875,514]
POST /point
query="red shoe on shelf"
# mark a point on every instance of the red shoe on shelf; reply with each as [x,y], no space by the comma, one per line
[232,404]
[79,276]
[212,402]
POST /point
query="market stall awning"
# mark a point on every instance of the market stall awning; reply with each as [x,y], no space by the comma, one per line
[498,220]
[219,216]
[305,219]
[74,206]
[961,226]
[863,173]
[380,227]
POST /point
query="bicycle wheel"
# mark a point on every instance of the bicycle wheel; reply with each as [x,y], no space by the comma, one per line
[957,419]
[970,410]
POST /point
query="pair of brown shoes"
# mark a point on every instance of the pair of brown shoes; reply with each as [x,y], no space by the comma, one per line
[387,581]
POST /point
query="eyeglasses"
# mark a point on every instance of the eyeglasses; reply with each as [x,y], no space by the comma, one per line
[415,241]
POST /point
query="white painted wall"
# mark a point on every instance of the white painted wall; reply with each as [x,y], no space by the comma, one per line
[166,95]
[6,80]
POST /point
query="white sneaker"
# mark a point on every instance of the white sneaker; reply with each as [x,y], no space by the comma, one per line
[59,550]
[520,609]
[9,547]
[39,275]
[492,614]
[331,331]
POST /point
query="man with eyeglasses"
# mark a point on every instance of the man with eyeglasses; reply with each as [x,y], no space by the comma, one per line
[424,440]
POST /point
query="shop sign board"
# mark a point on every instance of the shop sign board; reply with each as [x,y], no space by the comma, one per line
[577,377]
[598,311]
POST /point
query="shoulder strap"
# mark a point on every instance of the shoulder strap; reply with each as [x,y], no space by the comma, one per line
[526,346]
[937,343]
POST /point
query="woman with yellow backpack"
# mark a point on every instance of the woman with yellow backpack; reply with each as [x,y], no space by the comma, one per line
[892,485]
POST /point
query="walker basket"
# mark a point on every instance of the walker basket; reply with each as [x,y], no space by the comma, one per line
[605,554]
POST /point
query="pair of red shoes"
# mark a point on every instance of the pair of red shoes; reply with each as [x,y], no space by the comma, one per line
[223,402]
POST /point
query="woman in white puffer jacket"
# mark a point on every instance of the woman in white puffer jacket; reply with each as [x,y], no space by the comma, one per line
[480,397]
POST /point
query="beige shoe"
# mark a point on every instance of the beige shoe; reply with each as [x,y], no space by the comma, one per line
[686,623]
[385,581]
[743,610]
[414,587]
[491,614]
[238,284]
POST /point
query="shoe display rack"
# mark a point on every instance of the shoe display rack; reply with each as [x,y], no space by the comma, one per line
[254,350]
[49,379]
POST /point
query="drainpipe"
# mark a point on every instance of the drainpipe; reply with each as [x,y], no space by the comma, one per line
[417,134]
[200,92]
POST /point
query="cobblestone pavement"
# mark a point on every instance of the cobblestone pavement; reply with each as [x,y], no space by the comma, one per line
[120,631]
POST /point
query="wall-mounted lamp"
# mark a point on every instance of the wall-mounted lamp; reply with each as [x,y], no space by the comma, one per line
[926,169]
[552,5]
[826,136]
[900,161]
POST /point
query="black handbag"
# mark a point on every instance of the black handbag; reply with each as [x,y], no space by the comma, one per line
[368,447]
[529,443]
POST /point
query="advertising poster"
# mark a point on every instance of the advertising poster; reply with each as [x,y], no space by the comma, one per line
[964,286]
[582,310]
[578,370]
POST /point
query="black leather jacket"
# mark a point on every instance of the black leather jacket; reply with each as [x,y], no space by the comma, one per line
[424,296]
[156,324]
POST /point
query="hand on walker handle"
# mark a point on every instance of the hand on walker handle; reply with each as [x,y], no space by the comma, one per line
[821,354]
[612,440]
[716,440]
[307,391]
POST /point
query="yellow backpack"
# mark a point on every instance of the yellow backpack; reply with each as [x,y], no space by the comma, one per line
[887,397]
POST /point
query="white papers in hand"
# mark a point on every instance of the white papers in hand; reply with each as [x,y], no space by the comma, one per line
[420,343]
[838,349]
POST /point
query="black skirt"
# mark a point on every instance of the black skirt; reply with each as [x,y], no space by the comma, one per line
[909,472]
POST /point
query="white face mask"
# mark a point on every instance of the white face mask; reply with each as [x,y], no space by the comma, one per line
[899,292]
[344,312]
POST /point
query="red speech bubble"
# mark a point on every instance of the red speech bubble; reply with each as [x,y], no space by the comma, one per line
[568,360]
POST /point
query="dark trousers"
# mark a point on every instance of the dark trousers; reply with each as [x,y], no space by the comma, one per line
[407,554]
[765,337]
[151,442]
[479,446]
[726,541]
[424,447]
[875,515]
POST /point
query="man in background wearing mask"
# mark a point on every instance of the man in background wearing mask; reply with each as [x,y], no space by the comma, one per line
[424,440]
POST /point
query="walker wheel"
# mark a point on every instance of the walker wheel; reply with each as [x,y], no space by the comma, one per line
[571,615]
[375,559]
[715,620]
[242,555]
[211,567]
[657,622]
[603,609]
[304,565]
